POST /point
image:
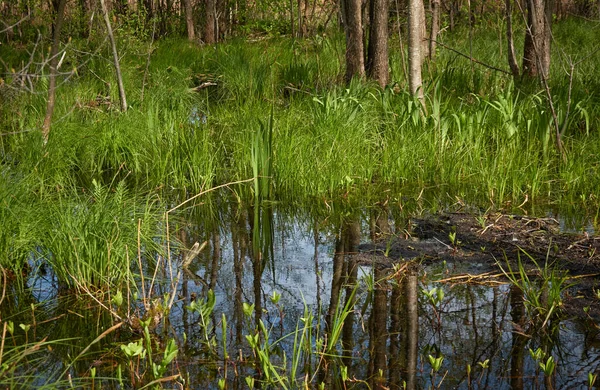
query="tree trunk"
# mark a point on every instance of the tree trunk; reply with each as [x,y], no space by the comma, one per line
[538,33]
[355,62]
[512,58]
[414,48]
[211,17]
[113,45]
[424,36]
[435,27]
[58,21]
[377,60]
[189,20]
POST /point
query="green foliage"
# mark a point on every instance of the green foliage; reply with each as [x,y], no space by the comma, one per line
[91,240]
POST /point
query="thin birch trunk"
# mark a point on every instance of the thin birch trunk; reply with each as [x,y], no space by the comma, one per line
[60,11]
[414,48]
[435,27]
[113,45]
[512,58]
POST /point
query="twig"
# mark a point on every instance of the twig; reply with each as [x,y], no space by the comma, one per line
[16,24]
[446,245]
[473,59]
[97,339]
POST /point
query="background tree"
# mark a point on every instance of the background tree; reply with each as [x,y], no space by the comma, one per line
[377,60]
[415,59]
[210,31]
[538,34]
[355,63]
[189,19]
[113,45]
[57,26]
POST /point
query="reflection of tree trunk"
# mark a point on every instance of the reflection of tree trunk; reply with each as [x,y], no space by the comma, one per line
[216,256]
[344,272]
[379,223]
[394,364]
[351,241]
[336,283]
[239,246]
[517,355]
[58,21]
[378,336]
[412,329]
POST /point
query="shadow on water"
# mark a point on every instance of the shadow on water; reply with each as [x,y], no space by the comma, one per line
[292,280]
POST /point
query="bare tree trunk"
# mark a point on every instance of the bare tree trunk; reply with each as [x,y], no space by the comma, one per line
[377,60]
[424,36]
[536,51]
[189,19]
[58,21]
[355,62]
[211,17]
[435,27]
[292,17]
[414,48]
[300,31]
[512,58]
[111,37]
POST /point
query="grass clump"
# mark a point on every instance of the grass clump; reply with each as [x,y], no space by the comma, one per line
[92,240]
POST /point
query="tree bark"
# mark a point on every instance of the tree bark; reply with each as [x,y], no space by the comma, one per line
[538,33]
[355,62]
[512,58]
[113,45]
[435,27]
[424,36]
[414,48]
[58,21]
[377,60]
[211,17]
[189,20]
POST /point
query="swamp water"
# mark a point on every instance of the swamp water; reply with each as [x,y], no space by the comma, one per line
[294,305]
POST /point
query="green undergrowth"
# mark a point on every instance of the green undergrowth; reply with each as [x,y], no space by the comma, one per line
[481,136]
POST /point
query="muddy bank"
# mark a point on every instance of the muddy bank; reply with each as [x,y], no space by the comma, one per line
[471,245]
[475,243]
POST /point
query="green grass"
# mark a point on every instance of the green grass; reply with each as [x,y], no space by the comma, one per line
[482,137]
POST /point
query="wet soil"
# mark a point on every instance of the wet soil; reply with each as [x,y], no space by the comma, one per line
[472,247]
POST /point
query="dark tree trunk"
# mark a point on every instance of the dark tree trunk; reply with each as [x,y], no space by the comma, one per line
[189,19]
[538,34]
[435,27]
[355,62]
[56,27]
[210,37]
[377,60]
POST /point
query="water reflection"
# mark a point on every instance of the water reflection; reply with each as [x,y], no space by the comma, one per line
[482,332]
